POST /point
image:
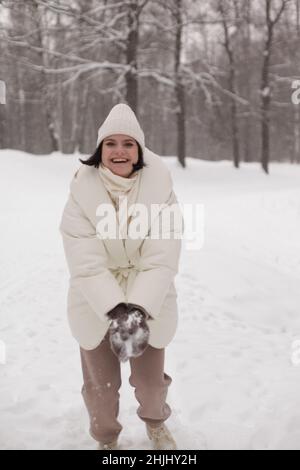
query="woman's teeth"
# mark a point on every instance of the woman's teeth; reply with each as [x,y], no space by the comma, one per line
[119,160]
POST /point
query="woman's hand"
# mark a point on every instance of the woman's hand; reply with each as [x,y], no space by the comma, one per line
[128,331]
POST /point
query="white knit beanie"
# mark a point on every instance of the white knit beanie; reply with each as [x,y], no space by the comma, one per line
[122,120]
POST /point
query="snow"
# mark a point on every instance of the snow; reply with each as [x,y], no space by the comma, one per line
[235,383]
[266,91]
[133,344]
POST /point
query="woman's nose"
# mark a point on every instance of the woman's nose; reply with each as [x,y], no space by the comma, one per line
[120,149]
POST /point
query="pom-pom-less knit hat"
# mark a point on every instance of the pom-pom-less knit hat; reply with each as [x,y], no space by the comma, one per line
[122,120]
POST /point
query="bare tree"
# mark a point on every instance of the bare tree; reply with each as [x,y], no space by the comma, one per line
[272,17]
[247,23]
[132,45]
[230,18]
[179,88]
[297,4]
[37,17]
[296,152]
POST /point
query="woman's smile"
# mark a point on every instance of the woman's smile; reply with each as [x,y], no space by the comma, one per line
[118,161]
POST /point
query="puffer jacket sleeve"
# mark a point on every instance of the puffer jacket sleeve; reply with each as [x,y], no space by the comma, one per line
[159,260]
[87,261]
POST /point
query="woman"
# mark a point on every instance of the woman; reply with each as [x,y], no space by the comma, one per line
[122,302]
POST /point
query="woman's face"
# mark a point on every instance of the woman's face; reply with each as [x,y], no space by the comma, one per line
[119,147]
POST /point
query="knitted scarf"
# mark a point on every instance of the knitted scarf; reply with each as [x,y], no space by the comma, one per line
[117,186]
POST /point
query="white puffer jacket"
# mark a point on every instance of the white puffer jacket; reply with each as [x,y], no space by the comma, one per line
[105,272]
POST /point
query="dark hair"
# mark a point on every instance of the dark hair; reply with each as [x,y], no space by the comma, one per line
[96,158]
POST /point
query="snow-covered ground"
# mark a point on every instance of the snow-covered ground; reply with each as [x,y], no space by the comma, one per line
[235,385]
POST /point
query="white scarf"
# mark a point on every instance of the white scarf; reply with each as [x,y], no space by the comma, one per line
[120,186]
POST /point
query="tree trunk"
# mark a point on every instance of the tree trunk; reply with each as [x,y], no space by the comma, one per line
[131,57]
[231,83]
[265,113]
[44,82]
[265,93]
[247,123]
[179,90]
[234,121]
[265,81]
[296,153]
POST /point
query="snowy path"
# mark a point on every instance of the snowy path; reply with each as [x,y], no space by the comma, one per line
[234,386]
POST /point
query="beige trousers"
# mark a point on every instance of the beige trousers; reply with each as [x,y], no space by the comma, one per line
[102,380]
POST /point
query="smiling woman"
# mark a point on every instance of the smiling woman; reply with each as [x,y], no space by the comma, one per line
[122,298]
[119,138]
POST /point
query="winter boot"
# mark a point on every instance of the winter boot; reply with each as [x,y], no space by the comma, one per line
[110,446]
[161,437]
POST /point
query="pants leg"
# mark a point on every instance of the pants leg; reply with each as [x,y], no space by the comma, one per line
[151,385]
[100,391]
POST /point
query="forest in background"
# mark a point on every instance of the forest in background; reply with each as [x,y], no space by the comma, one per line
[209,79]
